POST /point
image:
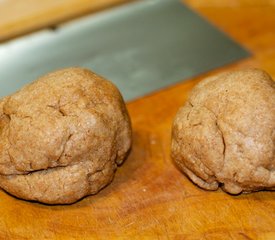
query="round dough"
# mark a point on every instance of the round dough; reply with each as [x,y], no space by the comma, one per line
[62,137]
[224,135]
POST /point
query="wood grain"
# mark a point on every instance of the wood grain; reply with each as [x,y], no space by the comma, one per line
[149,198]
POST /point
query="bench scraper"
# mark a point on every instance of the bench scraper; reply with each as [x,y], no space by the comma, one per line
[141,46]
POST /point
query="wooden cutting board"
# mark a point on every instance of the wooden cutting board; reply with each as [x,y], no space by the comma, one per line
[149,198]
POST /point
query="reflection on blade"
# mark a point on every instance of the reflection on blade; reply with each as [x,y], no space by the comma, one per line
[141,47]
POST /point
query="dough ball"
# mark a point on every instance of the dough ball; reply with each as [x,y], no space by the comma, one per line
[62,137]
[224,135]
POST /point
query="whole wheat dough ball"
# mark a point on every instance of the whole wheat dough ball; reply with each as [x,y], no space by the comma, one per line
[62,137]
[224,135]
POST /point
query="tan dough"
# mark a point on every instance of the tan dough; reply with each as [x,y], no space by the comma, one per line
[224,135]
[62,137]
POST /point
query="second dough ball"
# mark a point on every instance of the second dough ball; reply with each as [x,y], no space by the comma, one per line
[225,133]
[62,137]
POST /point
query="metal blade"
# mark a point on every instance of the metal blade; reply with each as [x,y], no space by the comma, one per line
[141,47]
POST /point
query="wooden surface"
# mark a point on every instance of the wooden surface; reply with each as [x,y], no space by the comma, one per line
[149,198]
[18,17]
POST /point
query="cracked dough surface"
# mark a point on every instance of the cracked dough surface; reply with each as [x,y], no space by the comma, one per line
[224,135]
[62,137]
